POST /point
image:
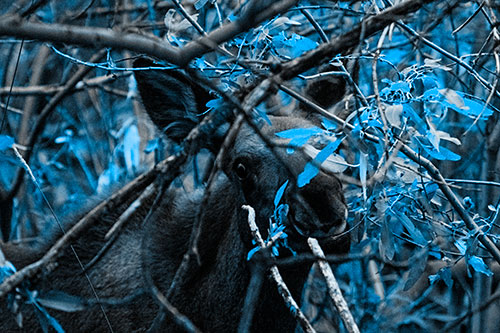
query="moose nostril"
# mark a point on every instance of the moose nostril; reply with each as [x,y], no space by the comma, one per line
[335,227]
[325,208]
[325,228]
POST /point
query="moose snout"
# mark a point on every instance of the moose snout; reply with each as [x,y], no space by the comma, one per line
[320,210]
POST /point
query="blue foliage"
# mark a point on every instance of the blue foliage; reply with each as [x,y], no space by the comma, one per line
[292,46]
[45,319]
[6,270]
[131,142]
[444,274]
[312,168]
[279,194]
[6,142]
[464,246]
[299,136]
[276,232]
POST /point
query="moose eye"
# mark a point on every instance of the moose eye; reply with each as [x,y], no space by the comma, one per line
[241,170]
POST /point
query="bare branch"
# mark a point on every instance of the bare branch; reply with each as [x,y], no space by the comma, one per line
[342,44]
[85,36]
[44,90]
[98,37]
[275,274]
[333,288]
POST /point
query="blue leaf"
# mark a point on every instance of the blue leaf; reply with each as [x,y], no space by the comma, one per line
[293,46]
[433,278]
[429,82]
[479,265]
[299,136]
[109,176]
[461,246]
[468,203]
[42,314]
[59,300]
[200,4]
[214,103]
[436,252]
[152,145]
[400,86]
[280,214]
[261,113]
[465,104]
[443,274]
[295,133]
[431,189]
[6,142]
[414,233]
[252,252]
[444,154]
[431,94]
[328,124]
[6,270]
[200,64]
[279,193]
[409,113]
[312,168]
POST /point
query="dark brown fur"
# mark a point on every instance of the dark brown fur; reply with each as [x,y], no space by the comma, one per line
[212,297]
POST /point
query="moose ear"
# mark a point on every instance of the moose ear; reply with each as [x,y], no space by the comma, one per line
[326,90]
[172,100]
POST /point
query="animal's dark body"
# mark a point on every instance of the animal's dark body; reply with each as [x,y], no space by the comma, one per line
[213,295]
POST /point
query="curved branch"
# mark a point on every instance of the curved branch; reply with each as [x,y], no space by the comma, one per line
[99,37]
[78,35]
[350,39]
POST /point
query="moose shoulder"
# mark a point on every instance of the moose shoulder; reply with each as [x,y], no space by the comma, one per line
[212,296]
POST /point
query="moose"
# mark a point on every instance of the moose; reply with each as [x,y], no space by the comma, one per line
[213,294]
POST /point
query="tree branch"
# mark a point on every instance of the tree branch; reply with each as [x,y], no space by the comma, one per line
[343,43]
[99,37]
[275,274]
[51,89]
[85,36]
[333,288]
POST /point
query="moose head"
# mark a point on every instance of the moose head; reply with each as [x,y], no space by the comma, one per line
[255,165]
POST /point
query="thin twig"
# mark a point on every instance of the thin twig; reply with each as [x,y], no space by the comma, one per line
[333,288]
[50,89]
[275,274]
[251,299]
[344,42]
[451,56]
[11,25]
